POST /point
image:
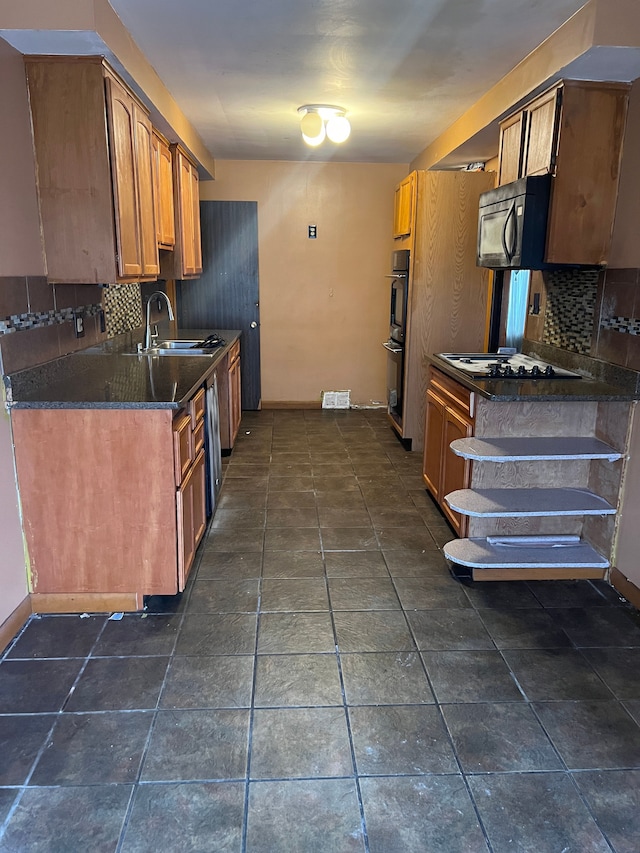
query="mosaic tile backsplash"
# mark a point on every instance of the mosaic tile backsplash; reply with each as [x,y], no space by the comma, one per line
[37,318]
[122,306]
[570,309]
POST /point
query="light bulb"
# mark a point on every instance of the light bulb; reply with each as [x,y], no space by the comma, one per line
[312,128]
[338,129]
[315,140]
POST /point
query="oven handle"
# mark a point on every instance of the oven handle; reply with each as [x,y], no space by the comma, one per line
[391,348]
[396,275]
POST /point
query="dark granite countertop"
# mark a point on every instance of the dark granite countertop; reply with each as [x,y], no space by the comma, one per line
[595,385]
[104,376]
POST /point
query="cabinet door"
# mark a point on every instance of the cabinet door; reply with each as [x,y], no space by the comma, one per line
[403,207]
[186,539]
[192,519]
[122,144]
[511,142]
[186,215]
[541,134]
[235,398]
[163,193]
[456,471]
[432,458]
[144,181]
[199,501]
[196,235]
[189,201]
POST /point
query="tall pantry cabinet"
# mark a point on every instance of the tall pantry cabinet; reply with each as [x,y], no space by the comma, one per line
[448,293]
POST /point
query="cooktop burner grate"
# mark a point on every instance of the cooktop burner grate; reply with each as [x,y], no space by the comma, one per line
[506,366]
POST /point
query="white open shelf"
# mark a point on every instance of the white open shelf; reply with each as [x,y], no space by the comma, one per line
[529,448]
[513,503]
[524,552]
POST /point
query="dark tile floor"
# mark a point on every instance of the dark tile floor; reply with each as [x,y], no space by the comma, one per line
[324,685]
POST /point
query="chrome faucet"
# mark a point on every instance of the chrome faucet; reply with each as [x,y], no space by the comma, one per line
[147,332]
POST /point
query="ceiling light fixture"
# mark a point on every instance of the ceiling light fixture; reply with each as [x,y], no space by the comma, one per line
[320,121]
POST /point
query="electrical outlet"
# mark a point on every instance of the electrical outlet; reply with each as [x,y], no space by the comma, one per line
[313,232]
[78,324]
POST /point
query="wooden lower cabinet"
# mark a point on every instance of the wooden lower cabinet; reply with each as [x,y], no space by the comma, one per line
[191,514]
[449,415]
[230,392]
[111,510]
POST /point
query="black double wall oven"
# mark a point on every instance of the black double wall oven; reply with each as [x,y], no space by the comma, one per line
[395,346]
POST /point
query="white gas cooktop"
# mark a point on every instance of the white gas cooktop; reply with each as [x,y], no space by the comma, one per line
[493,365]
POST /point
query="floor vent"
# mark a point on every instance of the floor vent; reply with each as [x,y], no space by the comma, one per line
[335,399]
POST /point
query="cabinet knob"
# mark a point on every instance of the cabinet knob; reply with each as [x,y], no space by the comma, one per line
[253,324]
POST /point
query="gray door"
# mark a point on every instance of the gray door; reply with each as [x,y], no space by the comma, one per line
[227,295]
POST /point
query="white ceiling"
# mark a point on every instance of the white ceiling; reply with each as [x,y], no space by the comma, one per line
[404,70]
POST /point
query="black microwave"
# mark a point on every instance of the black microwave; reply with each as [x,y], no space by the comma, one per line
[512,224]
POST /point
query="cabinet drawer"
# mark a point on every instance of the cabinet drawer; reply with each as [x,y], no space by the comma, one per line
[182,445]
[195,407]
[453,393]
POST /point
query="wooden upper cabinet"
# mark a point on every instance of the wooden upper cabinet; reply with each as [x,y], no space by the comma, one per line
[186,259]
[93,171]
[123,159]
[574,132]
[145,187]
[541,134]
[163,192]
[511,142]
[403,206]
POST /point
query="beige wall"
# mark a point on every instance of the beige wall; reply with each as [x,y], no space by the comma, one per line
[324,308]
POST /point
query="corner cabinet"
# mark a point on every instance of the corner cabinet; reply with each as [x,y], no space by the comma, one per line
[548,136]
[117,509]
[94,173]
[186,259]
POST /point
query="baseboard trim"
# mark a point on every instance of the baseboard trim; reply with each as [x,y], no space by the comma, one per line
[86,602]
[625,587]
[291,404]
[14,622]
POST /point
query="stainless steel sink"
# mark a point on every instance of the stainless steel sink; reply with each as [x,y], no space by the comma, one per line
[177,344]
[176,347]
